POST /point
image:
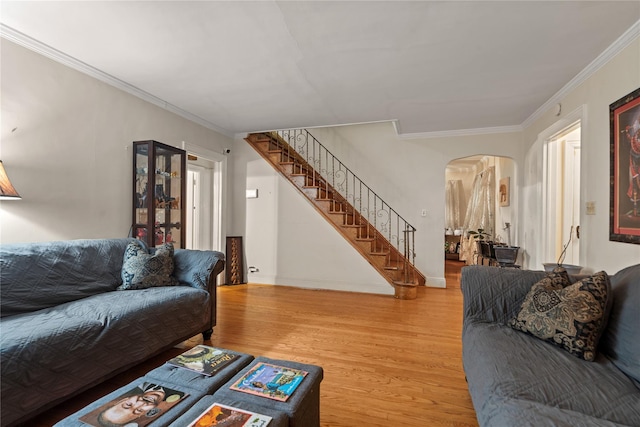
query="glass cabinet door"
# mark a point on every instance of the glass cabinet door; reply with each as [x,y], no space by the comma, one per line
[159,194]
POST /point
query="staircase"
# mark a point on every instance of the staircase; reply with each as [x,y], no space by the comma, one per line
[375,230]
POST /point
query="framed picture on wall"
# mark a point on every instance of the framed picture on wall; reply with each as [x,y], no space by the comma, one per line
[624,118]
[504,191]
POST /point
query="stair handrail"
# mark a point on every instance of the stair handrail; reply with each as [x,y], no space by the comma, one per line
[297,140]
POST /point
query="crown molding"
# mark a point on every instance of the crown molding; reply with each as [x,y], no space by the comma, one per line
[461,132]
[607,55]
[23,40]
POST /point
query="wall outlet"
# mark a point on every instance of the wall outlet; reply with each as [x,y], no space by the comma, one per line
[591,208]
[424,212]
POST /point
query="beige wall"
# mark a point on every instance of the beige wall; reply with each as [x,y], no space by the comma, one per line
[70,153]
[620,76]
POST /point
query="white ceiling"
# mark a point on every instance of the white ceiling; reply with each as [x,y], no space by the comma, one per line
[257,65]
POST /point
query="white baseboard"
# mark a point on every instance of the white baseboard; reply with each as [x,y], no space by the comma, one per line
[436,282]
[370,288]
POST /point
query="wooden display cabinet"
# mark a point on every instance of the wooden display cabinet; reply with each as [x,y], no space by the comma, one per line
[159,193]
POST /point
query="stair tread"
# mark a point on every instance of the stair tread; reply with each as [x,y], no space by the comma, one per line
[379,254]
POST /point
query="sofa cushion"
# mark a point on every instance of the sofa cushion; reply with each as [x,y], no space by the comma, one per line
[34,276]
[621,340]
[141,270]
[501,363]
[525,413]
[50,354]
[572,317]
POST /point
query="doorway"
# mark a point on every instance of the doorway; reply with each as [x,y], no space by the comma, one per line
[562,163]
[204,203]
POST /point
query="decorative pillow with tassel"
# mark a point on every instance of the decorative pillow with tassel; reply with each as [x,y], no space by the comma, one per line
[570,316]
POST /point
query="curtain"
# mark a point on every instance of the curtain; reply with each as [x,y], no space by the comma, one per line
[454,195]
[480,211]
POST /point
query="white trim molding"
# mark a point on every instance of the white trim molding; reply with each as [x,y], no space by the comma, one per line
[461,132]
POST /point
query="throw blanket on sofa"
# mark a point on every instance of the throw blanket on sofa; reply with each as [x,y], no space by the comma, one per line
[64,327]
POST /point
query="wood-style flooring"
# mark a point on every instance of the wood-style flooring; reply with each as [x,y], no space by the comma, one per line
[386,362]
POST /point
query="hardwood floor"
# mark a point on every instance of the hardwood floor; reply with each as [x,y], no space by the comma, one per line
[386,362]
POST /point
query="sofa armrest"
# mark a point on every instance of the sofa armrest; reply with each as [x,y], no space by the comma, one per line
[199,269]
[493,294]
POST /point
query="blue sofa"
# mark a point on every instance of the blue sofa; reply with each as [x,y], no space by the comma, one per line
[64,325]
[518,380]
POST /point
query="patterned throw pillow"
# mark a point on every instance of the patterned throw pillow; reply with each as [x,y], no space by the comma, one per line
[571,317]
[141,270]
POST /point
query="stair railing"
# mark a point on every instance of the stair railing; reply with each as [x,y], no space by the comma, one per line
[327,172]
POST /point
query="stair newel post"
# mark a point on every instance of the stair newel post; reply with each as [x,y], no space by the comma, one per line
[406,253]
[392,218]
[397,235]
[413,252]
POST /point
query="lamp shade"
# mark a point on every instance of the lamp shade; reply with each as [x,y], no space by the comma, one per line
[7,192]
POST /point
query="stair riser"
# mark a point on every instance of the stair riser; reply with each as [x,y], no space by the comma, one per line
[299,180]
[378,260]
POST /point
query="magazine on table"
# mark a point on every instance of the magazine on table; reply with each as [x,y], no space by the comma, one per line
[272,381]
[220,415]
[204,359]
[137,407]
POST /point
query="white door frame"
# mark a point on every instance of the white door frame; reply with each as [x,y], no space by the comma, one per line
[194,190]
[571,214]
[548,225]
[219,191]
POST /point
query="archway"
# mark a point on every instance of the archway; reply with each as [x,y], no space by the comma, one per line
[496,177]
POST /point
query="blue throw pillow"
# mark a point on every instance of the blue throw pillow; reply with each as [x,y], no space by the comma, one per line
[141,270]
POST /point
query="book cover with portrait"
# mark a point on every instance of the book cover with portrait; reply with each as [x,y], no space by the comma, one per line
[136,407]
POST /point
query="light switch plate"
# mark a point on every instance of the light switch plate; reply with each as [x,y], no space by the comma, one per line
[591,208]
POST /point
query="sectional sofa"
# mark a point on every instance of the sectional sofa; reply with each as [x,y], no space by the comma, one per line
[524,368]
[68,322]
